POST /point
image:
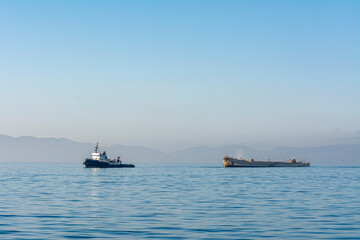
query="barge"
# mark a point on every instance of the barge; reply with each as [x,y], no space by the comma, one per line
[235,162]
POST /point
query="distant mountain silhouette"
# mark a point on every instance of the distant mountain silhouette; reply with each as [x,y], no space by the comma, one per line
[31,149]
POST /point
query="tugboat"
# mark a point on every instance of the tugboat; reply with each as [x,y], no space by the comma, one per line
[100,160]
[234,162]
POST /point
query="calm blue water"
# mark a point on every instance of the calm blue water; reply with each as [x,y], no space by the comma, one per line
[65,201]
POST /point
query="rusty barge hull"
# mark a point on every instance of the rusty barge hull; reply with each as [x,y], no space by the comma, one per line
[234,162]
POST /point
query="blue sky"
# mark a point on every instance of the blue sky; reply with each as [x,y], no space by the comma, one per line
[176,74]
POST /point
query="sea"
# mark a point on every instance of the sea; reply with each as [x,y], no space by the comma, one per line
[68,201]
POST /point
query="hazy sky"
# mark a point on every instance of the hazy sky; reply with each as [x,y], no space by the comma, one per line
[176,74]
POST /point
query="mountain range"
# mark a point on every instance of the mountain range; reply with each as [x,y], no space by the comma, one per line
[32,149]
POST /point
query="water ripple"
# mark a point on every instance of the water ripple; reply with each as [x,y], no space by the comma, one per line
[66,201]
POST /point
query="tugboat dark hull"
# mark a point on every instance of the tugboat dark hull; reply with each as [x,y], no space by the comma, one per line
[90,163]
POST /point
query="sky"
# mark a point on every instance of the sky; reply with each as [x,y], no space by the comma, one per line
[177,74]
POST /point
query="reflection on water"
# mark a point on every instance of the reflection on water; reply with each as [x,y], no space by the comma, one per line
[51,201]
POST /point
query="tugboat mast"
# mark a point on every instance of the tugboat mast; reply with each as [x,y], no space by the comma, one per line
[96,147]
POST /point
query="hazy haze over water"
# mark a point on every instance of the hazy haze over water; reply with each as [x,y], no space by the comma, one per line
[178,74]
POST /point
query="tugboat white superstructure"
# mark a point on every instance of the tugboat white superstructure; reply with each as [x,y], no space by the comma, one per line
[100,160]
